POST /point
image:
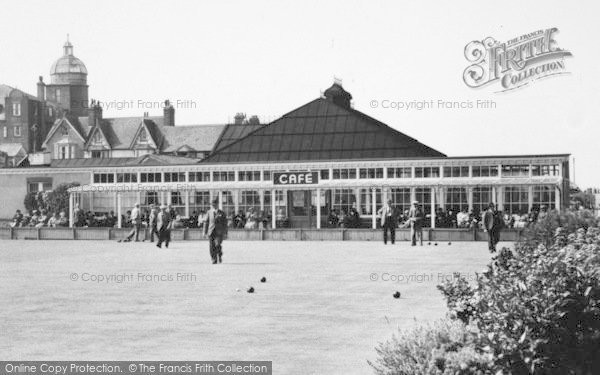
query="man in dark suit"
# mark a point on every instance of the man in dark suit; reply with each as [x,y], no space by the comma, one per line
[415,218]
[492,226]
[215,227]
[388,219]
[163,223]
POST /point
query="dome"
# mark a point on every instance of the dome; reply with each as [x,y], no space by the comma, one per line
[68,69]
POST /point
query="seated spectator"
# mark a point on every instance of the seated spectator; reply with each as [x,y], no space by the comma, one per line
[53,221]
[543,212]
[239,220]
[260,220]
[127,220]
[42,219]
[111,219]
[507,220]
[353,218]
[251,222]
[202,218]
[26,219]
[33,220]
[462,219]
[63,221]
[193,220]
[332,219]
[344,219]
[17,219]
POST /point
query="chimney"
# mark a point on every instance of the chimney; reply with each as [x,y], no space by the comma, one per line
[41,89]
[239,118]
[169,114]
[94,113]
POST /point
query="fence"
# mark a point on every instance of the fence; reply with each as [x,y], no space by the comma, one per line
[438,234]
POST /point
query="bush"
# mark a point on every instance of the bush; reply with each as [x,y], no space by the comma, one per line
[58,199]
[537,308]
[445,347]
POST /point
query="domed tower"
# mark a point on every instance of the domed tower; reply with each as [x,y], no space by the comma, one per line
[68,83]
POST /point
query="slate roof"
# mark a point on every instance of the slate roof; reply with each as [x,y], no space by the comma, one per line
[233,132]
[197,137]
[322,130]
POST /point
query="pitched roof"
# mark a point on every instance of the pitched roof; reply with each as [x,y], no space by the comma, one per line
[72,122]
[12,149]
[145,160]
[196,137]
[322,130]
[233,132]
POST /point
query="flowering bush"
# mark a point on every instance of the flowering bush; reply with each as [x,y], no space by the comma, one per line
[537,308]
[445,347]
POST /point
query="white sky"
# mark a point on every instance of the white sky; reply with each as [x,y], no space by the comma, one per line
[269,57]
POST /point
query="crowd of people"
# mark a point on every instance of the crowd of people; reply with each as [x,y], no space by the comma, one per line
[39,218]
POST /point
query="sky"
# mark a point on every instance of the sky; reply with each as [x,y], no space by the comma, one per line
[214,59]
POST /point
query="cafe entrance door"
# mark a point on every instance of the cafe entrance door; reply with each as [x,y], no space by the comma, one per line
[302,208]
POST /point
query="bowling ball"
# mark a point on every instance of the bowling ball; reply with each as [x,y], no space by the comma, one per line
[396,295]
[263,280]
[250,290]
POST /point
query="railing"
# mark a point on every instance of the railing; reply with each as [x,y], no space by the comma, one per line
[297,234]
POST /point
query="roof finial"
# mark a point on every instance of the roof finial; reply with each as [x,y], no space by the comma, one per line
[67,37]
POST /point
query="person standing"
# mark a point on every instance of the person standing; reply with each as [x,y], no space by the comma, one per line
[136,222]
[163,223]
[77,216]
[215,227]
[388,221]
[491,224]
[152,223]
[415,217]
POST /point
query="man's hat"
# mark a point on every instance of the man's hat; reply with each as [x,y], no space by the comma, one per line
[415,202]
[163,207]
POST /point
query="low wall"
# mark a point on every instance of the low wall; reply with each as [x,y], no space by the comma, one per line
[438,234]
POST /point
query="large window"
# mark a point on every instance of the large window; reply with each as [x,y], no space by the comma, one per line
[199,201]
[228,204]
[149,198]
[224,176]
[515,171]
[17,131]
[324,174]
[174,176]
[44,184]
[126,177]
[427,172]
[423,196]
[249,176]
[199,176]
[482,197]
[366,201]
[249,199]
[545,170]
[344,173]
[150,177]
[456,171]
[16,109]
[516,199]
[544,196]
[403,172]
[100,154]
[485,170]
[343,199]
[371,173]
[400,198]
[178,201]
[456,198]
[104,178]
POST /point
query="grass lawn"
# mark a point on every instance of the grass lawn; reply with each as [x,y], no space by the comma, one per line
[318,313]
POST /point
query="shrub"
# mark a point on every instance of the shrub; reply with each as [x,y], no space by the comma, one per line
[537,308]
[444,347]
[58,199]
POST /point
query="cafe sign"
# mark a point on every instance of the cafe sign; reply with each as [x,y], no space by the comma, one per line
[295,178]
